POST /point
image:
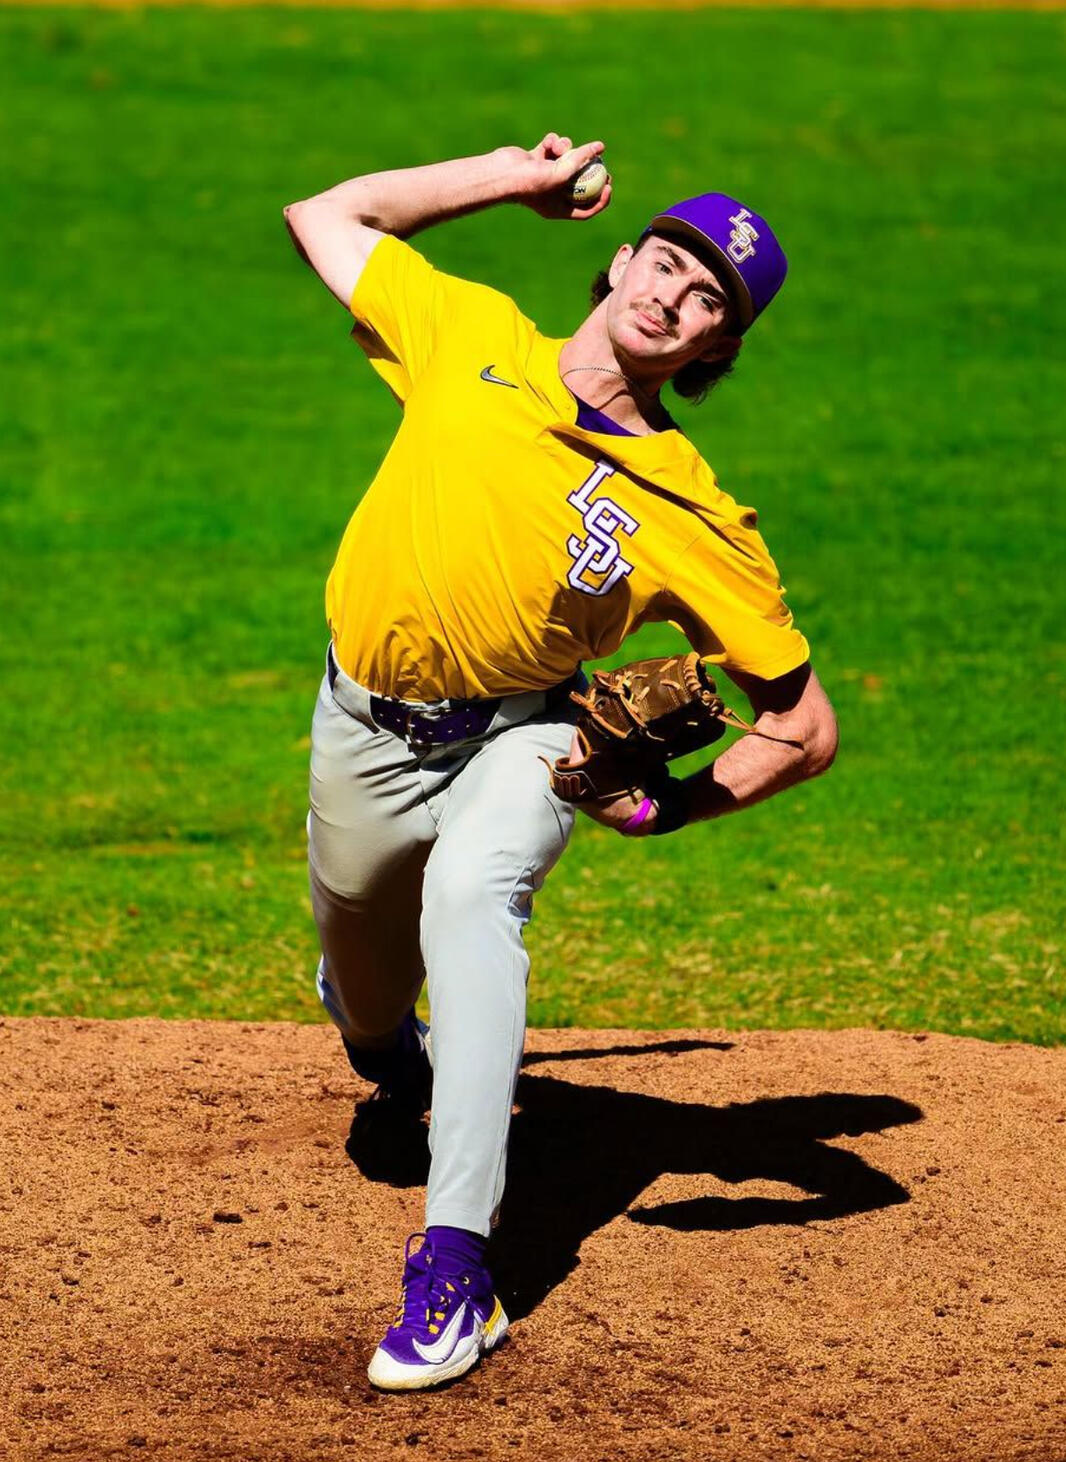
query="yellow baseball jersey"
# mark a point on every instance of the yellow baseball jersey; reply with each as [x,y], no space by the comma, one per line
[500,544]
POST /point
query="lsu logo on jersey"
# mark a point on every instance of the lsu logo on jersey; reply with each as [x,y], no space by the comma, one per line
[598,563]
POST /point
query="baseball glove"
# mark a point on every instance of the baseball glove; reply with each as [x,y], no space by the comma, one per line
[634,721]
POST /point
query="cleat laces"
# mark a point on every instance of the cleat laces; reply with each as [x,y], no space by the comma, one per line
[425,1293]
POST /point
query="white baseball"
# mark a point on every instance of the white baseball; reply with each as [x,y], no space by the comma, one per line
[589,183]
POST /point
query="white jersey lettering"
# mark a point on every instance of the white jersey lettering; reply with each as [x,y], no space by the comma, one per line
[598,562]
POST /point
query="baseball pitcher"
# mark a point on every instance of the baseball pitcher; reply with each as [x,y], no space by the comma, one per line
[537,505]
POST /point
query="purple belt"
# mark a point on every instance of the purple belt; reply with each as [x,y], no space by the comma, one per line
[463,719]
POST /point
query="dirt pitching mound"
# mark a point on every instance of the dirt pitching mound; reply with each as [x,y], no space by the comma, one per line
[798,1246]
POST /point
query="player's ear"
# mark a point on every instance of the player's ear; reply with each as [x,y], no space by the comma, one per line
[618,264]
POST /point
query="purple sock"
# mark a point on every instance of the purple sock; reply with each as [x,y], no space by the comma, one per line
[457,1250]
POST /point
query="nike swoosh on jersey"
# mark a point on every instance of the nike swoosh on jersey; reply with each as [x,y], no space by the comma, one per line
[441,1349]
[486,375]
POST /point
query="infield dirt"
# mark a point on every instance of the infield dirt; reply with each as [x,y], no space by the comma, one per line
[799,1246]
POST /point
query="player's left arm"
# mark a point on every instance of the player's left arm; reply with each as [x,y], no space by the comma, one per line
[798,740]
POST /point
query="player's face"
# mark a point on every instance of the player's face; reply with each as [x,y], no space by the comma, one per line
[666,308]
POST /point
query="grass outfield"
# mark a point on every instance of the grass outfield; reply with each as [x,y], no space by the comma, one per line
[184,428]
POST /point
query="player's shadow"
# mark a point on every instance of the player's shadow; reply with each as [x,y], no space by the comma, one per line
[582,1155]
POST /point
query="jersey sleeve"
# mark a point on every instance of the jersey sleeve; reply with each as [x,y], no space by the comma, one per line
[725,596]
[402,307]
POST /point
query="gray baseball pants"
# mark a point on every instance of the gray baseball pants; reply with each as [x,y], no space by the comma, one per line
[423,869]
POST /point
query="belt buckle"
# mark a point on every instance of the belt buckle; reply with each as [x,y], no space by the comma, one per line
[417,740]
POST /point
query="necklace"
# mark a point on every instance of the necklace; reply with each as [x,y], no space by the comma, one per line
[607,371]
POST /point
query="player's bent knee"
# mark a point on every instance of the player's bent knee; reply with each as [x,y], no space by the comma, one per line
[366,1010]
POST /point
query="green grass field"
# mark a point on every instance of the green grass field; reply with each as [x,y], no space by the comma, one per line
[184,428]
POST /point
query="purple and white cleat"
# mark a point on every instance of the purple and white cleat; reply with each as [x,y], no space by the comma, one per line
[445,1323]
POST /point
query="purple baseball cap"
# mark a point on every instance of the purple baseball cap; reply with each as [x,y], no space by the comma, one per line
[742,241]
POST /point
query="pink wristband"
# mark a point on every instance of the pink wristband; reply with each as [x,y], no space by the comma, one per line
[639,816]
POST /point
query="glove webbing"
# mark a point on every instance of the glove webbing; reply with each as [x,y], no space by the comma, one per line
[718,709]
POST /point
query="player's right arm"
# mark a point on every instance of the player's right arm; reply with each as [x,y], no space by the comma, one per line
[336,231]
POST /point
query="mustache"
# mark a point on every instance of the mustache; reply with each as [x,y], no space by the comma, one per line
[654,313]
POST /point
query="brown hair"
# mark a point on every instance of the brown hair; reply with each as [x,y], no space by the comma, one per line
[695,380]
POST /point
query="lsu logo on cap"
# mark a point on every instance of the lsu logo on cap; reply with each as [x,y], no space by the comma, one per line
[742,238]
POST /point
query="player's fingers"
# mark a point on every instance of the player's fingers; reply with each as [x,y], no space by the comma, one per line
[597,207]
[585,153]
[565,144]
[571,160]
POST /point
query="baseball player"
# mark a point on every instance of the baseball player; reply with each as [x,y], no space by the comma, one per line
[537,505]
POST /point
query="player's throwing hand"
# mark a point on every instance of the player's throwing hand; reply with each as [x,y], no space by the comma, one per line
[543,176]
